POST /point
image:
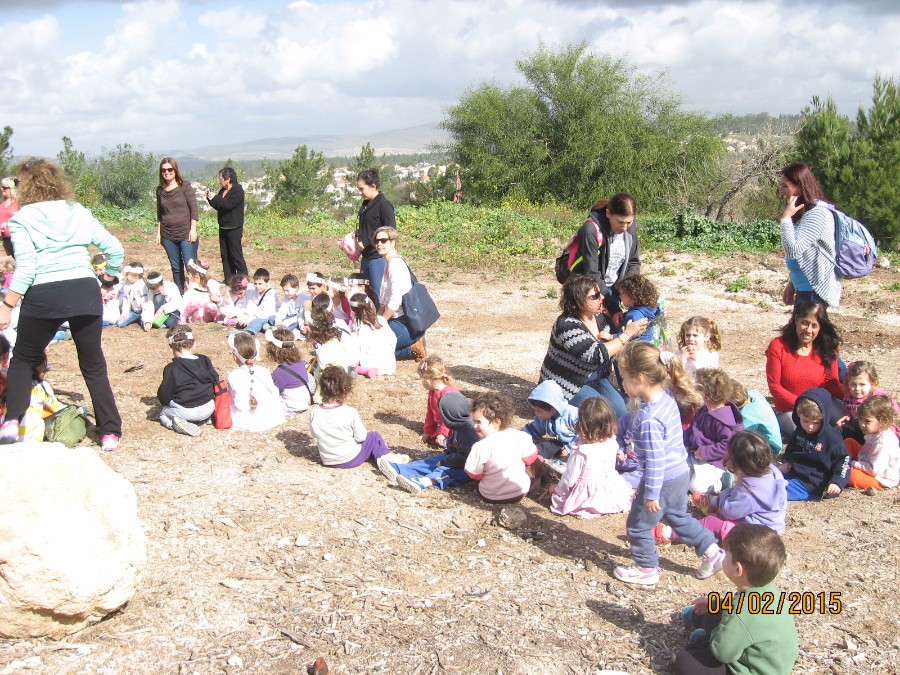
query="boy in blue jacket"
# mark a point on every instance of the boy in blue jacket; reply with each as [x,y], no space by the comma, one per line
[640,300]
[815,462]
[553,427]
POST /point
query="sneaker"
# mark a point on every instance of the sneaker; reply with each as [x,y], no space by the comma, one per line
[182,426]
[396,458]
[632,574]
[700,501]
[687,615]
[418,349]
[9,432]
[663,534]
[710,564]
[414,485]
[386,467]
[697,636]
[109,443]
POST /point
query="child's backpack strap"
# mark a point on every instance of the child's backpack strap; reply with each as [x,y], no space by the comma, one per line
[304,380]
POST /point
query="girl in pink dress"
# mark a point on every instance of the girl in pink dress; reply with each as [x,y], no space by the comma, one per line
[591,486]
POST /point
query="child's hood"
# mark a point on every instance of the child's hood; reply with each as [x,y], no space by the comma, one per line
[550,393]
[455,409]
[768,490]
[822,398]
[728,415]
[57,221]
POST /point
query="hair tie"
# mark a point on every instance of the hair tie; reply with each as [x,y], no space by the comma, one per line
[280,344]
[181,337]
[366,301]
[423,366]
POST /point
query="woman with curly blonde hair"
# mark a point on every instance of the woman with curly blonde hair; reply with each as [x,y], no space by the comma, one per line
[55,282]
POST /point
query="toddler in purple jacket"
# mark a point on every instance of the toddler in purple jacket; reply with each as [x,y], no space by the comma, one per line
[706,439]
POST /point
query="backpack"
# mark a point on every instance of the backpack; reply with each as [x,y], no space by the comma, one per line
[854,247]
[67,426]
[569,257]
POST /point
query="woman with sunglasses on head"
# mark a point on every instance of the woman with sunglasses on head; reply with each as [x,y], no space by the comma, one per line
[176,216]
[8,206]
[579,358]
[397,282]
[55,282]
[375,212]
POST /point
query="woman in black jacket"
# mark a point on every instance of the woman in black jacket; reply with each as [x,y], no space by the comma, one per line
[229,205]
[376,211]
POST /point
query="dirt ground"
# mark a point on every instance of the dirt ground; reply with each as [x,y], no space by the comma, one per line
[261,560]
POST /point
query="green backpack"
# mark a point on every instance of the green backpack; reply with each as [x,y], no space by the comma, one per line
[67,426]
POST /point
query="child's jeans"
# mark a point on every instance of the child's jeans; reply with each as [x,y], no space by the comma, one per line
[199,414]
[442,476]
[673,502]
[797,492]
[257,325]
[130,318]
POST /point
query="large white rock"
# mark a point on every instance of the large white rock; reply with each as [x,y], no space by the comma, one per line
[71,545]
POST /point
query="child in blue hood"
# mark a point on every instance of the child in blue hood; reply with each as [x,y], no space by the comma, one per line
[640,300]
[815,462]
[446,469]
[553,427]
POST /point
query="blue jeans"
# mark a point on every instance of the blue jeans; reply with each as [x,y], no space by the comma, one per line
[257,325]
[130,318]
[180,252]
[405,337]
[602,387]
[797,492]
[673,503]
[442,476]
[373,268]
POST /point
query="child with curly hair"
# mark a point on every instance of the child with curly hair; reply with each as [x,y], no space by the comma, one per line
[876,464]
[640,300]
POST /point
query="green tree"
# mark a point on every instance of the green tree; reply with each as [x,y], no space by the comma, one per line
[366,159]
[124,176]
[857,168]
[71,160]
[584,126]
[299,182]
[5,150]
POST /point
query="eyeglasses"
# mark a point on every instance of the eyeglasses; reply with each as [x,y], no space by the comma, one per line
[5,188]
[383,240]
[167,169]
[595,296]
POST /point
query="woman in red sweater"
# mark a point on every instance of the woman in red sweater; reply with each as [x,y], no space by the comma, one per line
[805,356]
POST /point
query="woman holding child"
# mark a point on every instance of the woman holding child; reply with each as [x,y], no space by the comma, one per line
[579,357]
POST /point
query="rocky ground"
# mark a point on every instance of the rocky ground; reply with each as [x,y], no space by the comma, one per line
[261,560]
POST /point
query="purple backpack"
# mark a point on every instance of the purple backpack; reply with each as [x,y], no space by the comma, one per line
[854,246]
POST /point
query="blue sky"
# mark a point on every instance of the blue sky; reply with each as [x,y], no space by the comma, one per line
[177,74]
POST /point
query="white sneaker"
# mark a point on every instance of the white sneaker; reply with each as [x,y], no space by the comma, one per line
[411,484]
[396,458]
[387,469]
[182,426]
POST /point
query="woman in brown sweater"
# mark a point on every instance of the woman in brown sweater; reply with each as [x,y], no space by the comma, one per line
[176,216]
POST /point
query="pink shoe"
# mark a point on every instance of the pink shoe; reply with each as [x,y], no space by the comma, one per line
[109,443]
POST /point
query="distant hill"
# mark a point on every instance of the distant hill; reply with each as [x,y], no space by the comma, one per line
[410,140]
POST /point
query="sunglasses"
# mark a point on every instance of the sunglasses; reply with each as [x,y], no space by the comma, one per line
[595,296]
[167,169]
[383,240]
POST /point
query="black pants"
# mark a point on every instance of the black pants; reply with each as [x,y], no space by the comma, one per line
[33,337]
[698,659]
[232,252]
[8,247]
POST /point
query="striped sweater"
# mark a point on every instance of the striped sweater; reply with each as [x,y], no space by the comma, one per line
[573,356]
[810,242]
[658,443]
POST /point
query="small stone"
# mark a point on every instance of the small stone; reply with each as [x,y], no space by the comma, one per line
[233,585]
[870,492]
[512,517]
[302,540]
[482,543]
[236,661]
[328,556]
[850,645]
[589,565]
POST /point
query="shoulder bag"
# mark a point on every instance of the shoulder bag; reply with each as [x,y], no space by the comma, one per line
[418,307]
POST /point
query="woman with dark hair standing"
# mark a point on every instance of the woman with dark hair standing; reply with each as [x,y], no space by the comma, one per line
[376,211]
[229,205]
[176,219]
[807,236]
[805,356]
[579,357]
[614,254]
[56,283]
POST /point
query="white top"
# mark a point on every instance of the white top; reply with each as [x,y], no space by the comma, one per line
[880,457]
[498,461]
[376,347]
[339,432]
[268,412]
[617,255]
[397,282]
[704,359]
[196,295]
[261,306]
[172,301]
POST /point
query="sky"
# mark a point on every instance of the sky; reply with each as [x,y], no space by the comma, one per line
[172,75]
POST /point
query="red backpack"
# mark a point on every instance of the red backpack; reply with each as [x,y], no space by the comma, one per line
[569,258]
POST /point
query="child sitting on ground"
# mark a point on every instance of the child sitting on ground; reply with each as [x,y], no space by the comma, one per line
[815,461]
[290,314]
[291,375]
[759,494]
[758,415]
[738,637]
[590,486]
[234,302]
[446,469]
[659,447]
[162,308]
[43,404]
[341,437]
[699,344]
[186,390]
[553,426]
[261,305]
[437,381]
[714,423]
[375,341]
[860,382]
[640,300]
[255,402]
[203,295]
[498,461]
[876,464]
[132,294]
[330,349]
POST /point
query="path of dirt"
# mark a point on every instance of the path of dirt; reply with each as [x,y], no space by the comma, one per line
[391,583]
